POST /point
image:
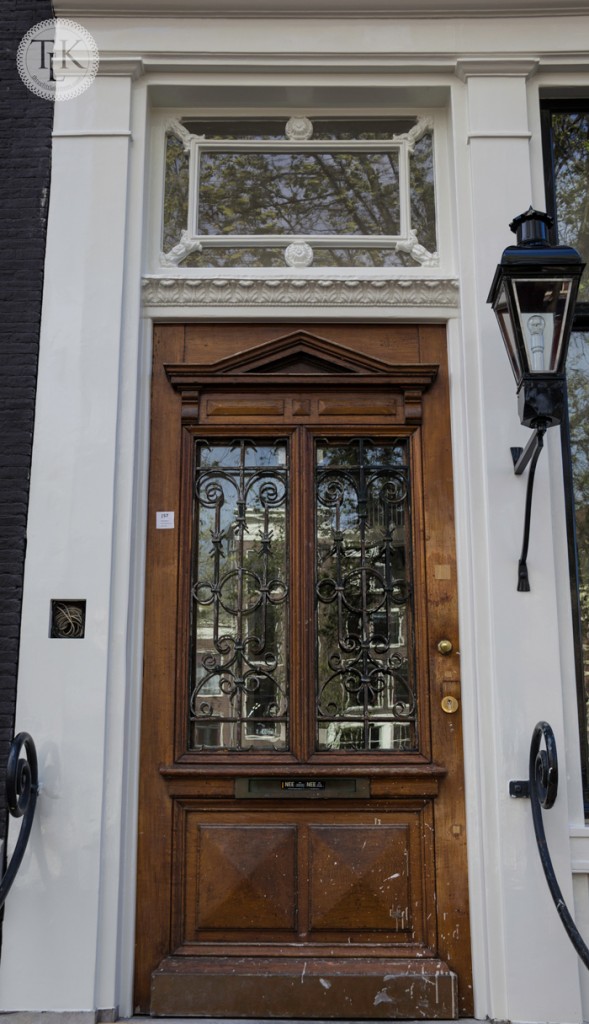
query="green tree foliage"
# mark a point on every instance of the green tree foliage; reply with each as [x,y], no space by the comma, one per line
[570,137]
[175,193]
[570,150]
[578,391]
[299,193]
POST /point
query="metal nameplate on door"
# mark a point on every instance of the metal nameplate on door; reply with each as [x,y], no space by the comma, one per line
[302,784]
[327,789]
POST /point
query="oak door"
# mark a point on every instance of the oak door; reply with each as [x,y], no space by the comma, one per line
[301,839]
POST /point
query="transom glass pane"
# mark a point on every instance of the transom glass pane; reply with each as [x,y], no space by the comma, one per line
[175,192]
[298,193]
[363,589]
[421,192]
[239,592]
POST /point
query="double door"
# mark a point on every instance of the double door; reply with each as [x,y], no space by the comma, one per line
[302,838]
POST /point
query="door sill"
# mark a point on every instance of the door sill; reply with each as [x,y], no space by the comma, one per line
[354,989]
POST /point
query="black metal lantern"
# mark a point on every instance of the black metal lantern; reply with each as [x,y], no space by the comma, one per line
[533,296]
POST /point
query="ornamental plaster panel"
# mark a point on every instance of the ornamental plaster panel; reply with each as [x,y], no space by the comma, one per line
[300,291]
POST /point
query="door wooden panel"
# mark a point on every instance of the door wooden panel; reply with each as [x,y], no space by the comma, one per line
[240,879]
[294,865]
[317,875]
[357,881]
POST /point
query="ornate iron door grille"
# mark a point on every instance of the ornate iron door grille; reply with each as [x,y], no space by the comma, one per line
[364,661]
[365,692]
[239,591]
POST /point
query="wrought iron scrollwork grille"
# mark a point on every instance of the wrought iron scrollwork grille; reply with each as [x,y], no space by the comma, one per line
[365,679]
[239,587]
[541,787]
[22,790]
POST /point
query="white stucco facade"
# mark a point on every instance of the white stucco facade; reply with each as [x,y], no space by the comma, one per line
[481,78]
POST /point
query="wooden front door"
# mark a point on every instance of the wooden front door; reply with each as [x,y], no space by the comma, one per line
[302,847]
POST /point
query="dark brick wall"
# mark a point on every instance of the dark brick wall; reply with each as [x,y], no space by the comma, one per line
[25,161]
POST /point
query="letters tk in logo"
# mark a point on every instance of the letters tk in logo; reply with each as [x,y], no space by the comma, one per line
[57,59]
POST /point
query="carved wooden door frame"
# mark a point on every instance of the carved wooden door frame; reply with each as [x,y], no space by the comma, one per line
[233,377]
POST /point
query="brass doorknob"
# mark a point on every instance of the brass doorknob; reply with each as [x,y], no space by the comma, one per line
[445,647]
[449,705]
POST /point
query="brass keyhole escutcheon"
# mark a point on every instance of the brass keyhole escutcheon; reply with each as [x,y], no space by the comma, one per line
[449,705]
[445,647]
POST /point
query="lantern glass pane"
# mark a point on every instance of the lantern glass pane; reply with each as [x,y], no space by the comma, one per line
[503,315]
[542,309]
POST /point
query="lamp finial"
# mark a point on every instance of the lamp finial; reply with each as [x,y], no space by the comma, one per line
[531,227]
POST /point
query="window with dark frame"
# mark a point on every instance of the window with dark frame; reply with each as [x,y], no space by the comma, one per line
[565,138]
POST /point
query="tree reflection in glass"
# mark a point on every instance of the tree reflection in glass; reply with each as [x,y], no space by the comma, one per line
[365,678]
[239,589]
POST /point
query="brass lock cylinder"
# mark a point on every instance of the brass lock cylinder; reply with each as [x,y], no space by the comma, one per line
[445,647]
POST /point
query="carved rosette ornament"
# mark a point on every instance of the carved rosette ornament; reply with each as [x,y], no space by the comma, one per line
[298,254]
[298,129]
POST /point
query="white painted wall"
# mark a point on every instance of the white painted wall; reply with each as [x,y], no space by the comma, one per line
[81,700]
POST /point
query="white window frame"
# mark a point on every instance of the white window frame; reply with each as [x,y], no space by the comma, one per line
[299,247]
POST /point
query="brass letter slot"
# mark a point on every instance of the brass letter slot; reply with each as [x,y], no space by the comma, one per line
[316,789]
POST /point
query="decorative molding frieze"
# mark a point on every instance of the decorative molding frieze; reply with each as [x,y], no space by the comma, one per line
[127,65]
[300,291]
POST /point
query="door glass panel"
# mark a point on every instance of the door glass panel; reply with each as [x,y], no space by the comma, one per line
[239,596]
[363,589]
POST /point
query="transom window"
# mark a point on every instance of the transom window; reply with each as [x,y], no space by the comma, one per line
[299,192]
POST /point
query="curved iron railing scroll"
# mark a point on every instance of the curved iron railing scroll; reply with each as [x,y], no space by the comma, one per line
[22,788]
[542,790]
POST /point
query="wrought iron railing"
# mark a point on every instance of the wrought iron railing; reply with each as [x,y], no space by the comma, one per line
[542,789]
[22,788]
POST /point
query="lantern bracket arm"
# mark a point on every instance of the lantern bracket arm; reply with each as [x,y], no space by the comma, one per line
[522,457]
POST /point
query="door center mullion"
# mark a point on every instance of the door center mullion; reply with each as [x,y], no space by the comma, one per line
[302,609]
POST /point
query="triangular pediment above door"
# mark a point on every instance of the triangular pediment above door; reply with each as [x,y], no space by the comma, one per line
[301,362]
[300,353]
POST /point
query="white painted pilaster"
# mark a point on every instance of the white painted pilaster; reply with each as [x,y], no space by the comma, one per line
[515,640]
[52,914]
